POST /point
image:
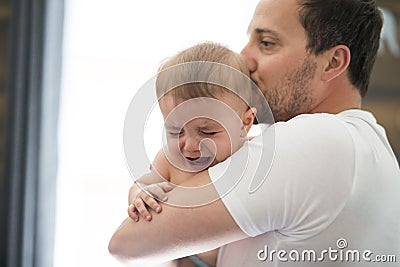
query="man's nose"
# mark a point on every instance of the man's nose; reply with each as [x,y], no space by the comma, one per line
[248,55]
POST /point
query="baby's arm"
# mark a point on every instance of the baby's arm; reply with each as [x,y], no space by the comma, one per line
[208,257]
[150,186]
[153,184]
[145,196]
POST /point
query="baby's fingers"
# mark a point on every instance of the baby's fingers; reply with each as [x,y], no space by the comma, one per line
[141,207]
[150,201]
[132,212]
[166,186]
[157,191]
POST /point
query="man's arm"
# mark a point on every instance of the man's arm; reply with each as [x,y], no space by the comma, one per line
[177,232]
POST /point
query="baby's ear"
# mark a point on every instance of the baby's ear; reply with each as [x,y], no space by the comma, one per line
[248,118]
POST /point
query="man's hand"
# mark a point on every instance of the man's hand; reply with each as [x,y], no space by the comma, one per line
[142,196]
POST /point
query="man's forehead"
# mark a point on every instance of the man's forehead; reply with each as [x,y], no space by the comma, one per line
[273,16]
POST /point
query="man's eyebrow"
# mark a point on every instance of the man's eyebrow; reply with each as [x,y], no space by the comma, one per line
[262,30]
[265,30]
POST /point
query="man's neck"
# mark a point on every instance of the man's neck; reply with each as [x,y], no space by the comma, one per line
[340,99]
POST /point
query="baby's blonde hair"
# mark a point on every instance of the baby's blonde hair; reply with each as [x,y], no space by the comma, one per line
[223,72]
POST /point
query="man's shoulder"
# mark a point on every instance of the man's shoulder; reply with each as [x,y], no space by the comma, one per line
[321,124]
[314,134]
[326,124]
[328,118]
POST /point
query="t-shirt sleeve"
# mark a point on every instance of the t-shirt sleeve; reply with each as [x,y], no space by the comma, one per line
[294,178]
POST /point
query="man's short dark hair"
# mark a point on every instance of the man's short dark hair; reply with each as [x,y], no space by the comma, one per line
[354,23]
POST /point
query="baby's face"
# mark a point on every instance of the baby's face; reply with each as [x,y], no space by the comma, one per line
[200,133]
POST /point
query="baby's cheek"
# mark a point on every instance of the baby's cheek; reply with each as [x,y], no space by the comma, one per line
[224,151]
[173,149]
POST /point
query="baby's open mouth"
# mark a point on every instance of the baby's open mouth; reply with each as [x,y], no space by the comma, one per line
[199,161]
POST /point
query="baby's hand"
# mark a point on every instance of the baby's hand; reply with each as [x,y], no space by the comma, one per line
[148,197]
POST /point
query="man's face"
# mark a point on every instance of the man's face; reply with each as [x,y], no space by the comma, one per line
[278,61]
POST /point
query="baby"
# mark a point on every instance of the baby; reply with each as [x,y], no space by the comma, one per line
[204,122]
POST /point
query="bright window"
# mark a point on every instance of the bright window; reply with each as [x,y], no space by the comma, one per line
[111,48]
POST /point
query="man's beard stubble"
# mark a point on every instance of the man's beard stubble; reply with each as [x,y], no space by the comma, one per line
[292,96]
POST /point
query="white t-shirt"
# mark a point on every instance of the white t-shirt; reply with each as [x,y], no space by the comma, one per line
[330,197]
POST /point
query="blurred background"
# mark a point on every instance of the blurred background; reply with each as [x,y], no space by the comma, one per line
[68,71]
[383,98]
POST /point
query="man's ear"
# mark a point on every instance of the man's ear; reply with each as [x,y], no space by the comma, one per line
[337,62]
[248,118]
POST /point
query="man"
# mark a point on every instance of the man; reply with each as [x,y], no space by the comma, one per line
[331,192]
